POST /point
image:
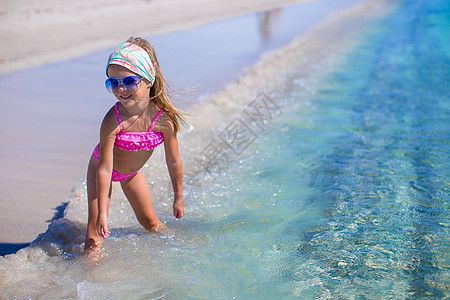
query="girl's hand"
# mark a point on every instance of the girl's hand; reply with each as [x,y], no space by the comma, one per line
[102,226]
[178,208]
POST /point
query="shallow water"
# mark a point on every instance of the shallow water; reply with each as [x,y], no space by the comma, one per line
[341,191]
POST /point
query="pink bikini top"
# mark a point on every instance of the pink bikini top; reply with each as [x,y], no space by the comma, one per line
[136,141]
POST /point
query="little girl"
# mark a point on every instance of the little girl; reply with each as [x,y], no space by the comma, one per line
[142,120]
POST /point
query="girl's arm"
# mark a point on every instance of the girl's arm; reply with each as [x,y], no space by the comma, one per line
[174,165]
[105,166]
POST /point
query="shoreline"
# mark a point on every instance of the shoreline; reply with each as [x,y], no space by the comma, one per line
[80,33]
[64,167]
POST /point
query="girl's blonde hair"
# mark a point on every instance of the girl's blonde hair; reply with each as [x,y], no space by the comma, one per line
[159,93]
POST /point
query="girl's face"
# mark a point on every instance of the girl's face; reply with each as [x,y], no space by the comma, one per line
[124,95]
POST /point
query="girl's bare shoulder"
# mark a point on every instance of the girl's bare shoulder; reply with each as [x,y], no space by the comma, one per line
[165,124]
[110,123]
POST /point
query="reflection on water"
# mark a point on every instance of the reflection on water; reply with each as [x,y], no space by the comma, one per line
[268,22]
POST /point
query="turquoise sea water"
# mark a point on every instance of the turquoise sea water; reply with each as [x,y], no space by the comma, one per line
[351,190]
[342,193]
[372,164]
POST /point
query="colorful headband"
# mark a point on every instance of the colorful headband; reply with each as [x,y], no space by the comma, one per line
[135,59]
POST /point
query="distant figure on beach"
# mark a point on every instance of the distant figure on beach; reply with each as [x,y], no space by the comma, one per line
[141,120]
[268,22]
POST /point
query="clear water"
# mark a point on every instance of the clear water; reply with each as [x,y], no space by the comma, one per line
[342,193]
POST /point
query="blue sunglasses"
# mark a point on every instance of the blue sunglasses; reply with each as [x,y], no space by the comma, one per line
[132,83]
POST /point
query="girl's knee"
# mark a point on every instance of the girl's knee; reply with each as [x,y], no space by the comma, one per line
[150,223]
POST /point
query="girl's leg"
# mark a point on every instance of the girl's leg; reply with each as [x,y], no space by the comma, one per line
[138,194]
[92,236]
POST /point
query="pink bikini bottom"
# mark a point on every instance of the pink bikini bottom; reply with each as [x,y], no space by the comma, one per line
[115,175]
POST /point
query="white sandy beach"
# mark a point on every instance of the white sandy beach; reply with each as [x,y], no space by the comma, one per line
[34,182]
[43,31]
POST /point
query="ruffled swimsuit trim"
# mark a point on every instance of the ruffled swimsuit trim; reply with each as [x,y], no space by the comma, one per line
[137,141]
